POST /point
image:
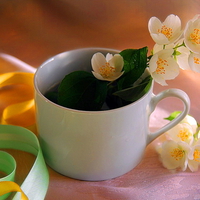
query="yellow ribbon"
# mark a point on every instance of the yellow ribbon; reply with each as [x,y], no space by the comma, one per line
[20,111]
[9,186]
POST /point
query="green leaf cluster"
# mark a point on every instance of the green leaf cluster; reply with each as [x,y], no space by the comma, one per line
[82,91]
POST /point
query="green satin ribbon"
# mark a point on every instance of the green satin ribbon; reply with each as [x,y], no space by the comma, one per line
[36,183]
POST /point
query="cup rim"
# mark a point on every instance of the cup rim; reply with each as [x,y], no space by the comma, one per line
[75,110]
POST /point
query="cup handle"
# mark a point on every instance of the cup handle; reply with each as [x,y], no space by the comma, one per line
[157,98]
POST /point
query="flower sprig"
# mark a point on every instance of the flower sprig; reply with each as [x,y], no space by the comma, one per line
[181,149]
[175,48]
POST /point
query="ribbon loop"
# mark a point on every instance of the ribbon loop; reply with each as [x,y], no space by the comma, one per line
[36,183]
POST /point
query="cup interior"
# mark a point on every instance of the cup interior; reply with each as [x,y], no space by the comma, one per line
[54,69]
[52,72]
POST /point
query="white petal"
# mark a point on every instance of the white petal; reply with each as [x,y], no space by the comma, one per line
[173,21]
[172,70]
[98,60]
[193,165]
[165,53]
[98,76]
[109,56]
[191,121]
[195,17]
[154,24]
[159,79]
[152,63]
[176,36]
[118,62]
[194,62]
[182,59]
[115,77]
[160,38]
[111,78]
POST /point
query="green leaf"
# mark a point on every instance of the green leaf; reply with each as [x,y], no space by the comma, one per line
[134,93]
[135,62]
[173,115]
[82,91]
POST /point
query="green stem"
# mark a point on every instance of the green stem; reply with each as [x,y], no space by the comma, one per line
[181,45]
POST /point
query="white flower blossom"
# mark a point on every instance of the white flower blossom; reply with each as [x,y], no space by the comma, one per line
[167,32]
[162,66]
[107,68]
[174,154]
[192,34]
[181,132]
[194,62]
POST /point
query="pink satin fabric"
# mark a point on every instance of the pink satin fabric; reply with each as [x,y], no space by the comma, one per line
[35,30]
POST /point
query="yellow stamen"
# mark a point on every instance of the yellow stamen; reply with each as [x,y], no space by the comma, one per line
[196,155]
[183,134]
[106,70]
[161,66]
[195,36]
[166,31]
[177,153]
[196,60]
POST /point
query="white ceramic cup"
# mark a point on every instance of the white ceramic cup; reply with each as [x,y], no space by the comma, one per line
[93,145]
